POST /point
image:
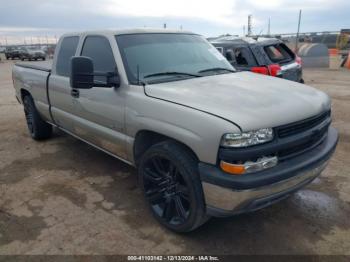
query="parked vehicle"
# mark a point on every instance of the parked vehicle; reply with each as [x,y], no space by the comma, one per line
[206,140]
[32,53]
[12,53]
[267,56]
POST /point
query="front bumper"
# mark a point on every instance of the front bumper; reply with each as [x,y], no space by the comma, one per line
[228,194]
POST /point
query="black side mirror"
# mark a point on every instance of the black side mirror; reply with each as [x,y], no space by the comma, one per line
[113,80]
[82,72]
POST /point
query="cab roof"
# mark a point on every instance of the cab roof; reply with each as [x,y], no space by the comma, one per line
[130,31]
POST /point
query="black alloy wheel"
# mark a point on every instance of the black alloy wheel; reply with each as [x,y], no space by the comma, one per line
[29,114]
[169,177]
[37,127]
[166,190]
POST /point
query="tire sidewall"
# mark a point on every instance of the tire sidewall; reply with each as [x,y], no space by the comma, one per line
[29,105]
[190,175]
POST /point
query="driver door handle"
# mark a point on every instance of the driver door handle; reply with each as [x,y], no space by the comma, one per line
[74,93]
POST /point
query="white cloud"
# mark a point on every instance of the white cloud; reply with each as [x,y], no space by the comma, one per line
[21,29]
[225,12]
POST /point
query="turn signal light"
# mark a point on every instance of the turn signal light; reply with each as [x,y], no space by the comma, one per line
[249,166]
[232,168]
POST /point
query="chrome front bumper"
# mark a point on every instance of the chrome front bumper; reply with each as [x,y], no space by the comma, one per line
[222,201]
[227,194]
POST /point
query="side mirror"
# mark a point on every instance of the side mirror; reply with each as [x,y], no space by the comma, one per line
[81,72]
[113,80]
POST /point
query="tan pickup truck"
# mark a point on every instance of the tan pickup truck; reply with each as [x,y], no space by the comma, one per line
[207,140]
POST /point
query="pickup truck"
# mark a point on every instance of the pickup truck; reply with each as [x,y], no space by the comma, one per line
[32,53]
[206,140]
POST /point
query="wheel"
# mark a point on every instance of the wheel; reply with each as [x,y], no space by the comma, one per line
[7,58]
[22,58]
[169,177]
[35,59]
[44,58]
[302,81]
[37,127]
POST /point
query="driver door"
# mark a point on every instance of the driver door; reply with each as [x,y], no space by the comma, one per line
[99,111]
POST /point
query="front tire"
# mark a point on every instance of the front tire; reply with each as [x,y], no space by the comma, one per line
[169,177]
[37,127]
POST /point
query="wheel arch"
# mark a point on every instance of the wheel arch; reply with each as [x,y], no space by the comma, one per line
[144,139]
[24,92]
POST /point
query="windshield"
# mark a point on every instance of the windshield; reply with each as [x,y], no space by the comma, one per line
[169,57]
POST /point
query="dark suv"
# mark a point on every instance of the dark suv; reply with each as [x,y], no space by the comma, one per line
[12,53]
[267,56]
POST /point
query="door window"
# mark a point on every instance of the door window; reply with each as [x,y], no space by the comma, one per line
[100,51]
[67,50]
[240,57]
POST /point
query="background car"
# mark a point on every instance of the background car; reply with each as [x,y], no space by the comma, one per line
[267,56]
[12,53]
[32,53]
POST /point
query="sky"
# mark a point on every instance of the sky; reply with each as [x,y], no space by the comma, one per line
[44,20]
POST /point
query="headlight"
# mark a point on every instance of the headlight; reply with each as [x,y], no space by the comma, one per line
[247,138]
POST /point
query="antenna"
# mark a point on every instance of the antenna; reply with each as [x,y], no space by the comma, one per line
[297,38]
[138,74]
[269,28]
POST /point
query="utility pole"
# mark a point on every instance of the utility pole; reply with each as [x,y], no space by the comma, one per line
[269,28]
[164,25]
[250,25]
[47,42]
[243,30]
[297,38]
[6,40]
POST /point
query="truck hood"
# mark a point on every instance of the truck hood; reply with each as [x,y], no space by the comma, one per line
[251,101]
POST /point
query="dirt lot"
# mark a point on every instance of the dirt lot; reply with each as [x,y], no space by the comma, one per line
[62,196]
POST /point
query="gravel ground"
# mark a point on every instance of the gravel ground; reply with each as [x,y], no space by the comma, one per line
[62,196]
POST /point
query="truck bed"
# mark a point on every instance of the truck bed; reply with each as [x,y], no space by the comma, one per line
[41,65]
[33,77]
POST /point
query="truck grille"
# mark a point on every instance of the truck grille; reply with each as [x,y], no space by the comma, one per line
[301,126]
[291,140]
[314,141]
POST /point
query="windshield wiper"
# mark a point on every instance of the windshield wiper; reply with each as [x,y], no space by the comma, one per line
[217,69]
[171,73]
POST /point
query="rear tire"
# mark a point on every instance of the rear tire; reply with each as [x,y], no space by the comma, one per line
[169,177]
[37,127]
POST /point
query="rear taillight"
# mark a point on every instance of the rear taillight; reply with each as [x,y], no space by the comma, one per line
[275,70]
[298,60]
[260,70]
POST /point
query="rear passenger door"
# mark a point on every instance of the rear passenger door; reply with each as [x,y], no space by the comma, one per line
[62,103]
[240,57]
[99,111]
